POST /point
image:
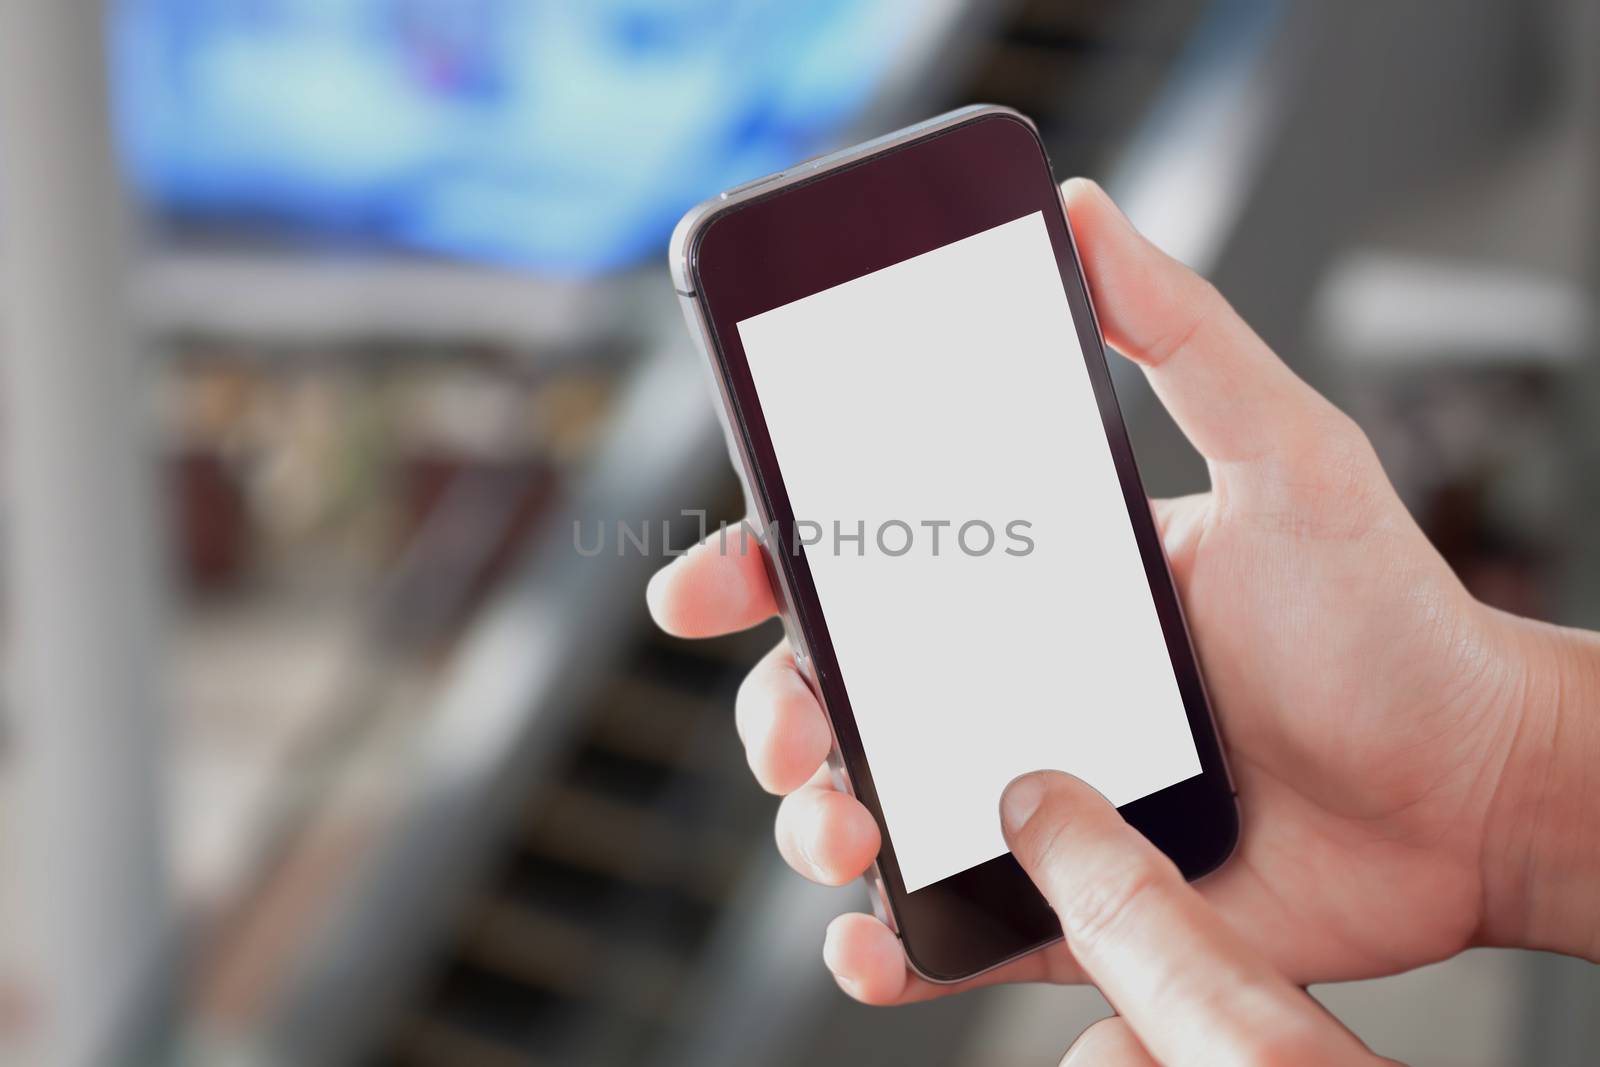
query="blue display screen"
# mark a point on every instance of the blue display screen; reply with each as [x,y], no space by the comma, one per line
[565,136]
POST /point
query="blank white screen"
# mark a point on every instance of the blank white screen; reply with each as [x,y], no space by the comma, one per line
[951,386]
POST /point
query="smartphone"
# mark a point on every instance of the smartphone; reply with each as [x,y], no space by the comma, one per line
[914,390]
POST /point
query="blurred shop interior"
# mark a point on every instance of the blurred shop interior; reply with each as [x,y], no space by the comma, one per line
[324,745]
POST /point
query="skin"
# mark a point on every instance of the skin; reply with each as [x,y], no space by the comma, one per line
[1415,769]
[1137,930]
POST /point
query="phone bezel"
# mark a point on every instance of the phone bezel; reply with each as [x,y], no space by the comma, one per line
[845,216]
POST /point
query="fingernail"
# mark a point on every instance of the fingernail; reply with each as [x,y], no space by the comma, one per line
[830,953]
[655,589]
[830,950]
[1078,181]
[850,987]
[803,844]
[1020,800]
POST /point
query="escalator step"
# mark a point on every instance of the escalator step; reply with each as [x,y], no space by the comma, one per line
[574,959]
[636,844]
[657,916]
[429,1042]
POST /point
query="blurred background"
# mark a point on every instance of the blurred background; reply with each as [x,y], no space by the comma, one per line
[325,322]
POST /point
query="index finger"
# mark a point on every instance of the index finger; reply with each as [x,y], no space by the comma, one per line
[1189,986]
[717,587]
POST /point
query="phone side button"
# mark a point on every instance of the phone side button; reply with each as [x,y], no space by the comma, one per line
[791,634]
[802,664]
[880,899]
[753,183]
[837,772]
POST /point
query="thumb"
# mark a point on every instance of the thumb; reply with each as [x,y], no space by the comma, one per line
[1230,394]
[1185,982]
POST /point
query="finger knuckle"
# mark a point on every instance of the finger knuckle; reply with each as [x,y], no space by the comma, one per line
[1328,480]
[1345,442]
[1200,303]
[1098,910]
[1206,297]
[1349,468]
[1320,432]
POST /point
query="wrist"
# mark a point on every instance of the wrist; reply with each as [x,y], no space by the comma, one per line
[1541,850]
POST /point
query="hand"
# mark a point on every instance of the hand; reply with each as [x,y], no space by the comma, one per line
[1390,736]
[1187,988]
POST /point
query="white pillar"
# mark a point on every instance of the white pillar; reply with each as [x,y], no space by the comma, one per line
[82,616]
